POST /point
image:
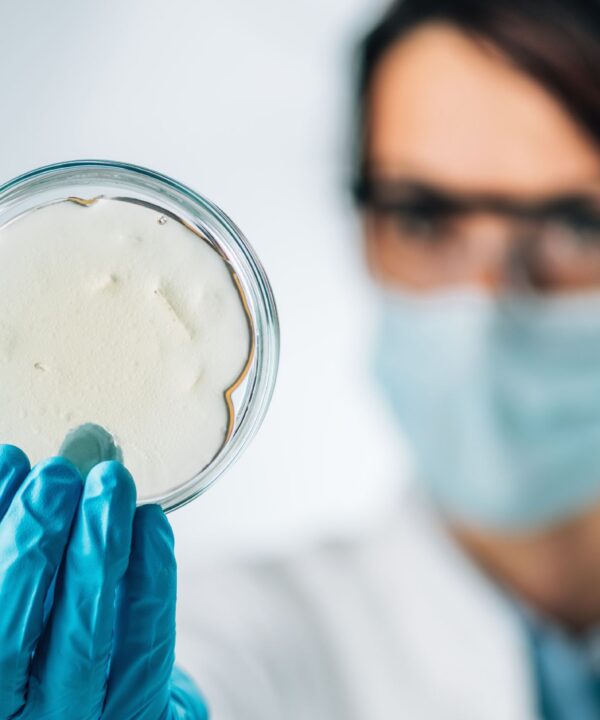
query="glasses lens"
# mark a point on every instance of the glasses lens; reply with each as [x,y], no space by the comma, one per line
[567,252]
[551,247]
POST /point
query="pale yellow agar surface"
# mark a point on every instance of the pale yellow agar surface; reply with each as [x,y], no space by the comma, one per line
[116,314]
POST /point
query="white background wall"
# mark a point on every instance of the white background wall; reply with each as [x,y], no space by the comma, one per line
[247,102]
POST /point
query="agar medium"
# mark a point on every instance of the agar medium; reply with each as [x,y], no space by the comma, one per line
[136,323]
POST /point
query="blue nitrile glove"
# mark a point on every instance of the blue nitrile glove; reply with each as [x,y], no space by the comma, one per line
[99,643]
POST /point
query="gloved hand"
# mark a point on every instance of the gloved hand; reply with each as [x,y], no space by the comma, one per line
[87,598]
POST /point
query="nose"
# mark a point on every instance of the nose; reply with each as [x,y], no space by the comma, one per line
[489,241]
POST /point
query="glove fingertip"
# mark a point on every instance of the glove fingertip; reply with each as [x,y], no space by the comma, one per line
[14,468]
[60,472]
[112,478]
[13,456]
[151,522]
[56,465]
[152,563]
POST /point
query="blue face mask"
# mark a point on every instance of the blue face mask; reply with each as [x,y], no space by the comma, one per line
[500,400]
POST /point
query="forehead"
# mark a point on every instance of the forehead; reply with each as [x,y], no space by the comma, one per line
[445,109]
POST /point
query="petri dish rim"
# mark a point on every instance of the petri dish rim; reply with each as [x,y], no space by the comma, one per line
[52,183]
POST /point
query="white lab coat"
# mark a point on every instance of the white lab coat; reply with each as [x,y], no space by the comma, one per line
[396,625]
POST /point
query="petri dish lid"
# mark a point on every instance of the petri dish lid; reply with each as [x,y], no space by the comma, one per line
[248,398]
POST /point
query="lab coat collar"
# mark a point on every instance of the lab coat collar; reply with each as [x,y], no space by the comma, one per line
[462,633]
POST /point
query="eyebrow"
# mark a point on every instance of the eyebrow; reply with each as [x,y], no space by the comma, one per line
[409,191]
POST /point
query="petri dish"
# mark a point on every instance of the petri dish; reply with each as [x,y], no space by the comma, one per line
[147,227]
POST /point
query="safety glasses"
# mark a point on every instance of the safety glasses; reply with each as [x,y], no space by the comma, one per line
[552,245]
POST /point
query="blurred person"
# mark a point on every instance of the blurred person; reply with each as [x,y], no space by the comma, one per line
[478,181]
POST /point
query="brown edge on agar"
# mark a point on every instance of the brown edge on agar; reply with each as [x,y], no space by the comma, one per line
[246,369]
[84,201]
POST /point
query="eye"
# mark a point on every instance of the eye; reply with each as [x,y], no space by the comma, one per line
[418,222]
[587,227]
[581,229]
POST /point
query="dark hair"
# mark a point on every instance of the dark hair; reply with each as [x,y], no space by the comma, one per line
[557,42]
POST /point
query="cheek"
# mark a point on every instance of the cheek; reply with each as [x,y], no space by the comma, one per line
[392,263]
[385,259]
[372,255]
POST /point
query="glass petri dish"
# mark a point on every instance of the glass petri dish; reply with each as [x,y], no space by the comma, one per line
[248,398]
